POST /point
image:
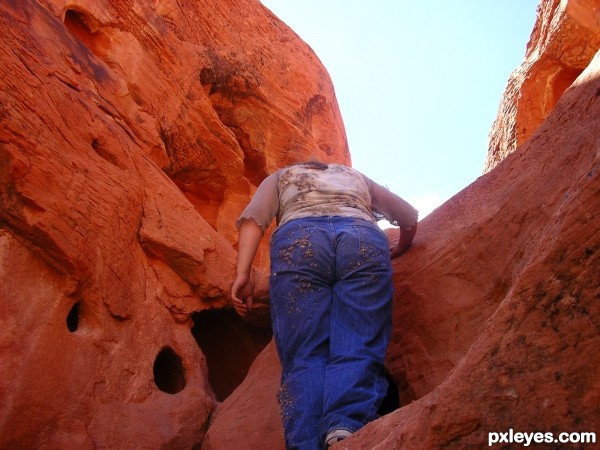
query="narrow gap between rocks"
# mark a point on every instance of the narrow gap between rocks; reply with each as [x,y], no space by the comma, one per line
[391,402]
[229,345]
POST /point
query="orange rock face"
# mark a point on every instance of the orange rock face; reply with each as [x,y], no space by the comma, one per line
[134,132]
[565,38]
[132,135]
[497,311]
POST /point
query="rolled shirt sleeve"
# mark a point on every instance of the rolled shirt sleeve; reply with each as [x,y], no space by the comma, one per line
[264,204]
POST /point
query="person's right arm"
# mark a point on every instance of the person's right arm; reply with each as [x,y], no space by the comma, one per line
[252,224]
[243,287]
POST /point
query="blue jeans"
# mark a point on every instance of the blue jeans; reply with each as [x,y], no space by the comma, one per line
[331,299]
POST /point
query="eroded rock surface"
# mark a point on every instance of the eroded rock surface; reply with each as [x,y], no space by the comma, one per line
[497,306]
[565,38]
[134,132]
[132,135]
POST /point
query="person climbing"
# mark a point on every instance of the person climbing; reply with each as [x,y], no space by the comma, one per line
[330,293]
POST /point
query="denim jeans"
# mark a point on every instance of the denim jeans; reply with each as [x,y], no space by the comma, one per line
[331,299]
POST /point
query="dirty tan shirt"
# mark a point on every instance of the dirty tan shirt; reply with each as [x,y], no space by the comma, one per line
[300,191]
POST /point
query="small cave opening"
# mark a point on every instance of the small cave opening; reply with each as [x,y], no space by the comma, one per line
[169,374]
[73,318]
[88,30]
[78,23]
[230,346]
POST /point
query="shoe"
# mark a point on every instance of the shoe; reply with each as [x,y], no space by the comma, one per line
[335,436]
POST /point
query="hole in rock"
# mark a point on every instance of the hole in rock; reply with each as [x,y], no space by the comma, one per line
[230,346]
[73,318]
[169,374]
[88,30]
[79,25]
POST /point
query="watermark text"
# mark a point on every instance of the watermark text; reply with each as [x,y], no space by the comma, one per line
[538,437]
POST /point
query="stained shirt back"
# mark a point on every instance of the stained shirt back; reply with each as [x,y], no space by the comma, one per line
[301,191]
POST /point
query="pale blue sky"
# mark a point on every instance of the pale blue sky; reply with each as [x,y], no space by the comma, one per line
[418,83]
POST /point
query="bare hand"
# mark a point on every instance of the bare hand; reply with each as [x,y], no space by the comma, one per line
[241,292]
[407,234]
[397,250]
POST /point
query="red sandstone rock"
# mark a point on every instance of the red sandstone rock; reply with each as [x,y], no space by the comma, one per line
[497,312]
[565,38]
[501,335]
[133,133]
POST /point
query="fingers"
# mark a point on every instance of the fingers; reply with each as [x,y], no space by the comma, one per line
[241,307]
[235,291]
[398,250]
[241,293]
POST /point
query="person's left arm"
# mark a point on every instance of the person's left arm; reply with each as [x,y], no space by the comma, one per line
[396,210]
[407,234]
